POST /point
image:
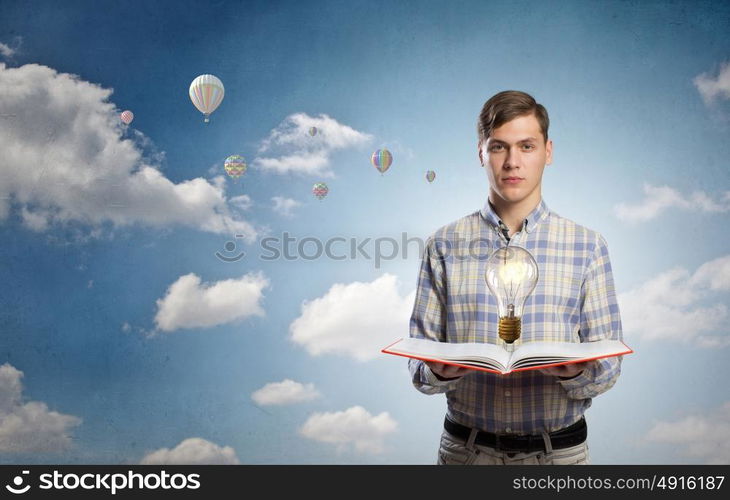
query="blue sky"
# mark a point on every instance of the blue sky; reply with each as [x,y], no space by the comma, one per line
[124,339]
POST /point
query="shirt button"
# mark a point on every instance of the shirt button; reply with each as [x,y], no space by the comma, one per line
[507,393]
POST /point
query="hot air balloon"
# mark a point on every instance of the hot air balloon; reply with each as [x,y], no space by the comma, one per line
[320,190]
[381,159]
[206,92]
[235,166]
[430,175]
[127,117]
[312,131]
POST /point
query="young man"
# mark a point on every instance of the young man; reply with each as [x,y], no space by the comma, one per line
[536,416]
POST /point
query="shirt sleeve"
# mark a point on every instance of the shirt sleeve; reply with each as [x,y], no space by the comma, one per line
[428,320]
[599,319]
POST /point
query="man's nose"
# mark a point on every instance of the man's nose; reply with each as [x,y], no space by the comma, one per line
[513,158]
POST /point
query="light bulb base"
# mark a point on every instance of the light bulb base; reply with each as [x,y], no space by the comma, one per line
[510,328]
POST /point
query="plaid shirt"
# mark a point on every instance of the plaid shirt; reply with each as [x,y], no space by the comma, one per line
[574,301]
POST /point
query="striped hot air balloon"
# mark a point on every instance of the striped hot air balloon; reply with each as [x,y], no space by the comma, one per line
[381,160]
[430,175]
[320,190]
[127,117]
[206,92]
[312,131]
[235,166]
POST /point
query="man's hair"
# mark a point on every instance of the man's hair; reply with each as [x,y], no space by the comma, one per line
[506,106]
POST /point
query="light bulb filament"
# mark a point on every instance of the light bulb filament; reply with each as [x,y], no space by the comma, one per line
[511,275]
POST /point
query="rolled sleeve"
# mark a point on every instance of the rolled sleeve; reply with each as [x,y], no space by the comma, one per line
[425,380]
[428,319]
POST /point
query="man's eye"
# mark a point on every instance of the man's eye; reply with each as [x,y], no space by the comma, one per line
[528,146]
[496,147]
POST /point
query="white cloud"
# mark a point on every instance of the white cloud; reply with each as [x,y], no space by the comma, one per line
[714,275]
[705,436]
[660,198]
[357,319]
[6,50]
[31,426]
[193,451]
[714,87]
[67,158]
[284,206]
[285,392]
[190,304]
[679,306]
[290,148]
[242,202]
[354,426]
[311,163]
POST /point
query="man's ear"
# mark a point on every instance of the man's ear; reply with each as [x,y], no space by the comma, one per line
[479,152]
[549,152]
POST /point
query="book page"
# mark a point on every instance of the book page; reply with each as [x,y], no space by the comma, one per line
[467,352]
[539,353]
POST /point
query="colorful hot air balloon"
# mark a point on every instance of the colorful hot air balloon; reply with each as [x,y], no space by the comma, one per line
[312,131]
[127,117]
[206,92]
[430,175]
[235,166]
[381,159]
[320,190]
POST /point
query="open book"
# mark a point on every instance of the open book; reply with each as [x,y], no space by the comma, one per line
[496,359]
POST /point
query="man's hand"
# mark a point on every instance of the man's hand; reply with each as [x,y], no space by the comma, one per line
[446,372]
[569,371]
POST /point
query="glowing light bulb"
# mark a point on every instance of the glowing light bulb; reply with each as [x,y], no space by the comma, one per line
[511,275]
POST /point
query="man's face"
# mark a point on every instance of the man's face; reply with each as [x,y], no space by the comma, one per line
[516,150]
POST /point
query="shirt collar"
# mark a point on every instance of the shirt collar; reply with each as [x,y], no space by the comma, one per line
[540,212]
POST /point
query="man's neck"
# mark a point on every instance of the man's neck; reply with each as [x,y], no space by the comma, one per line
[513,214]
